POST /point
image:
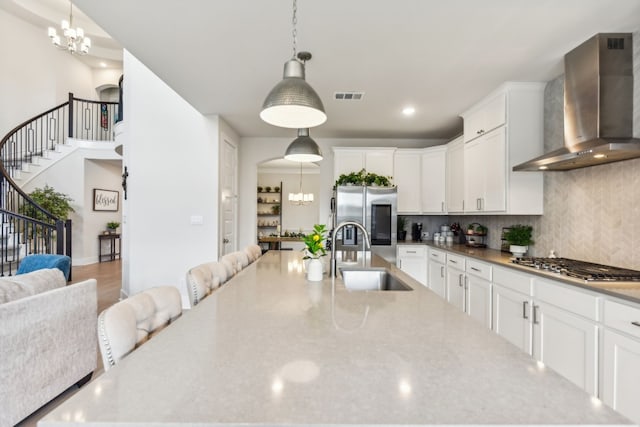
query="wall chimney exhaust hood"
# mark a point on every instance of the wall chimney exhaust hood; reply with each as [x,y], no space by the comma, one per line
[598,106]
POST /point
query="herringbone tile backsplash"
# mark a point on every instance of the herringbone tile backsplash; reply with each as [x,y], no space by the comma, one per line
[591,214]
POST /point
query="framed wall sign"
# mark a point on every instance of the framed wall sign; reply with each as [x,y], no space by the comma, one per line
[105,200]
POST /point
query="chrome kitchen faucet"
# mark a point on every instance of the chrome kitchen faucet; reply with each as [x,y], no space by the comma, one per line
[365,234]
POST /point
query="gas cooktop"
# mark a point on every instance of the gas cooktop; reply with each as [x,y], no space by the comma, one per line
[587,271]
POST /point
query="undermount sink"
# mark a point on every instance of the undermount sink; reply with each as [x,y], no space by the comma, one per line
[372,279]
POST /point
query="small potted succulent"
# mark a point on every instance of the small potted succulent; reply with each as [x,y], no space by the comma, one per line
[267,189]
[519,239]
[276,189]
[112,226]
[260,189]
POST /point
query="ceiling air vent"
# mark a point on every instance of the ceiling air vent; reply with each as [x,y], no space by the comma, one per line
[348,96]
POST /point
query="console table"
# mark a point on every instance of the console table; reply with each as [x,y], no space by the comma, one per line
[114,246]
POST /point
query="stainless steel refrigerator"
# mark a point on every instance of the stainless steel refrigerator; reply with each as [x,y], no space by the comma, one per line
[373,207]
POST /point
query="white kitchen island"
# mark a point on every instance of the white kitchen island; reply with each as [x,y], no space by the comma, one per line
[270,348]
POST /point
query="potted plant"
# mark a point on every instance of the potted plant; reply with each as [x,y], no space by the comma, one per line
[314,249]
[275,209]
[519,239]
[260,189]
[276,189]
[112,226]
[402,233]
[267,189]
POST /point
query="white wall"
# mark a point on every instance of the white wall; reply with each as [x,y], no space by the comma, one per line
[253,151]
[171,152]
[96,165]
[34,75]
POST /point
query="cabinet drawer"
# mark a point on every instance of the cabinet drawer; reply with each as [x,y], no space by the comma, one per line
[437,255]
[513,280]
[479,269]
[624,318]
[581,303]
[456,261]
[405,251]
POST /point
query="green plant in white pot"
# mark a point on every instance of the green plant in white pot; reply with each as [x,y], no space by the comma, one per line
[519,239]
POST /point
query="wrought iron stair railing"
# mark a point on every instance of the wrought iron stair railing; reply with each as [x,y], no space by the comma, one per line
[25,227]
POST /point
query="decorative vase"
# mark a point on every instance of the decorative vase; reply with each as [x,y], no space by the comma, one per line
[518,251]
[314,270]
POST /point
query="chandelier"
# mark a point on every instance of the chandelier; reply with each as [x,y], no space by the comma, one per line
[293,103]
[300,198]
[76,42]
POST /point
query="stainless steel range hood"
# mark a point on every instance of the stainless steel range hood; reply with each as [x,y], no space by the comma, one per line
[598,106]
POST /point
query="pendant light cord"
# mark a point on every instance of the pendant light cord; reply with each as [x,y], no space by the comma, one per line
[294,22]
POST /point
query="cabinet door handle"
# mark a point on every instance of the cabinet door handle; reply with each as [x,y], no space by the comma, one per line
[636,324]
[460,280]
[442,209]
[400,264]
[463,205]
[442,271]
[466,283]
[535,314]
[476,269]
[524,309]
[478,204]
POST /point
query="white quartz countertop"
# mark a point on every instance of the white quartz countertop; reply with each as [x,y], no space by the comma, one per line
[270,348]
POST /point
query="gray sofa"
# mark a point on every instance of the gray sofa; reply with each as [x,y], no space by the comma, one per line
[47,339]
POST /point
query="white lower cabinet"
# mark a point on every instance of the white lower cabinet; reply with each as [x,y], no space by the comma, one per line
[412,259]
[621,364]
[478,299]
[436,272]
[511,306]
[565,332]
[511,317]
[456,281]
[566,343]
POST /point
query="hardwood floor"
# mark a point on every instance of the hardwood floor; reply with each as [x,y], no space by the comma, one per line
[109,277]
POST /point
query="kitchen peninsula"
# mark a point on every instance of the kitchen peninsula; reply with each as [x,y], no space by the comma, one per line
[270,348]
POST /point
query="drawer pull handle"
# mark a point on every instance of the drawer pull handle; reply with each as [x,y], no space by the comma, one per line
[636,324]
[411,252]
[475,269]
[453,261]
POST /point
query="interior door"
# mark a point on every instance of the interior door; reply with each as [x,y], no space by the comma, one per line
[228,196]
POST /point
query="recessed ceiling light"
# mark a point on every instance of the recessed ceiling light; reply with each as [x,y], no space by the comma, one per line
[599,156]
[103,64]
[543,168]
[408,111]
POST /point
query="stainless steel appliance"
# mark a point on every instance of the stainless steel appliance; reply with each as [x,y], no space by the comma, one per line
[587,271]
[373,207]
[598,106]
[416,231]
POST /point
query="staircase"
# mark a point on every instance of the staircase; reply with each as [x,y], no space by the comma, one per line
[25,227]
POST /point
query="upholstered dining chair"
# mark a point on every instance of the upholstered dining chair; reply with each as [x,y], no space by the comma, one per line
[254,252]
[203,279]
[242,258]
[231,264]
[126,325]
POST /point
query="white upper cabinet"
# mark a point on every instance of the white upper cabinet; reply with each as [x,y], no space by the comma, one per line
[433,180]
[485,116]
[420,175]
[501,131]
[455,171]
[351,159]
[407,167]
[485,174]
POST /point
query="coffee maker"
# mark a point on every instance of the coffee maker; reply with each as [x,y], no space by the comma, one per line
[416,231]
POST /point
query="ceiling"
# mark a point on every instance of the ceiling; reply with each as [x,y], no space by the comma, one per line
[104,53]
[440,57]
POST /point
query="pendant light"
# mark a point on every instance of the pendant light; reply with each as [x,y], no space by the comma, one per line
[293,103]
[300,198]
[303,148]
